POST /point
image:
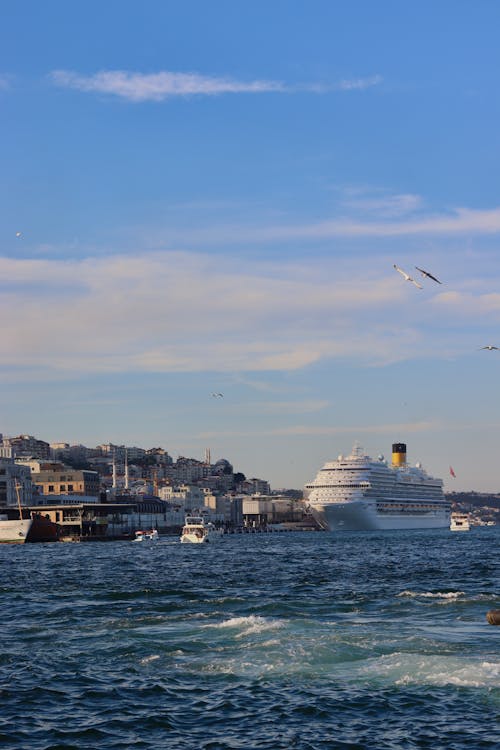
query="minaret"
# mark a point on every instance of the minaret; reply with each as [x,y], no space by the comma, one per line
[207,456]
[114,469]
[126,469]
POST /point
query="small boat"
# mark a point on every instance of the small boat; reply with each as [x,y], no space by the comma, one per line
[196,531]
[459,522]
[149,535]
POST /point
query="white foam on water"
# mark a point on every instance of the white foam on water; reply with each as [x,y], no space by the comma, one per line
[445,596]
[271,642]
[148,659]
[440,670]
[249,625]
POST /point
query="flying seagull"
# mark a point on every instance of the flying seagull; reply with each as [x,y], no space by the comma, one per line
[18,234]
[489,347]
[217,395]
[407,277]
[428,275]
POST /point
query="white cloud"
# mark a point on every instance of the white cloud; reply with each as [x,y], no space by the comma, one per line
[359,83]
[139,87]
[381,203]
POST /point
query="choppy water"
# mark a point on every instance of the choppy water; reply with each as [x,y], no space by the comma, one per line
[303,640]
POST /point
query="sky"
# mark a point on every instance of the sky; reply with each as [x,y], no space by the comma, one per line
[204,198]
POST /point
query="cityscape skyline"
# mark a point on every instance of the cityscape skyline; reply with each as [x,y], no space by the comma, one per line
[205,200]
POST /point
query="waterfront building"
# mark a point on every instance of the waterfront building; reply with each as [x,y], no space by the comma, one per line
[86,519]
[65,499]
[227,508]
[262,510]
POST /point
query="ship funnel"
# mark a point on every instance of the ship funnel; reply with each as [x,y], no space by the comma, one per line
[398,454]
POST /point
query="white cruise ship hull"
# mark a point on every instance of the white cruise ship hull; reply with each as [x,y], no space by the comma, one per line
[360,515]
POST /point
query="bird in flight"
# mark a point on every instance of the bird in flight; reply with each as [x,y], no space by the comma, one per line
[428,275]
[489,347]
[18,234]
[217,395]
[407,277]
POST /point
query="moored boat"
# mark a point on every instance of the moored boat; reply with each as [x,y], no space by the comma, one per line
[14,531]
[23,525]
[27,530]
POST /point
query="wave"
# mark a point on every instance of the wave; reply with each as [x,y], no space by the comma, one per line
[445,595]
[249,625]
[438,670]
[148,659]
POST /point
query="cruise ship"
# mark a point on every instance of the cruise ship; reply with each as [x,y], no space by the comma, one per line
[358,493]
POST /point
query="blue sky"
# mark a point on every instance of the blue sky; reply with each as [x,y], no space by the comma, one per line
[212,196]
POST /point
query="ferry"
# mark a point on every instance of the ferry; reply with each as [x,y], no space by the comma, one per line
[196,531]
[14,530]
[21,525]
[358,493]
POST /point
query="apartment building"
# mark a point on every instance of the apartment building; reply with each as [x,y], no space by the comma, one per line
[57,479]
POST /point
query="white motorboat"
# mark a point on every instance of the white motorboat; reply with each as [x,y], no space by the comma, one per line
[149,535]
[196,531]
[459,522]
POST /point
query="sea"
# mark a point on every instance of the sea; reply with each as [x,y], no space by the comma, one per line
[303,640]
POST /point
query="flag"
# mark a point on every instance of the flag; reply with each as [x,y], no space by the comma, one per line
[452,473]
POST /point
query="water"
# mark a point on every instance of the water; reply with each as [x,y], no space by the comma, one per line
[305,640]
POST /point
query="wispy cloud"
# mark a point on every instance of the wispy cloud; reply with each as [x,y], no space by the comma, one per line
[178,312]
[363,201]
[458,221]
[140,87]
[359,84]
[5,81]
[464,304]
[290,407]
[188,312]
[318,430]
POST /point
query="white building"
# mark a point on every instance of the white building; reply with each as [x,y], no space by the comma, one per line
[189,496]
[15,484]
